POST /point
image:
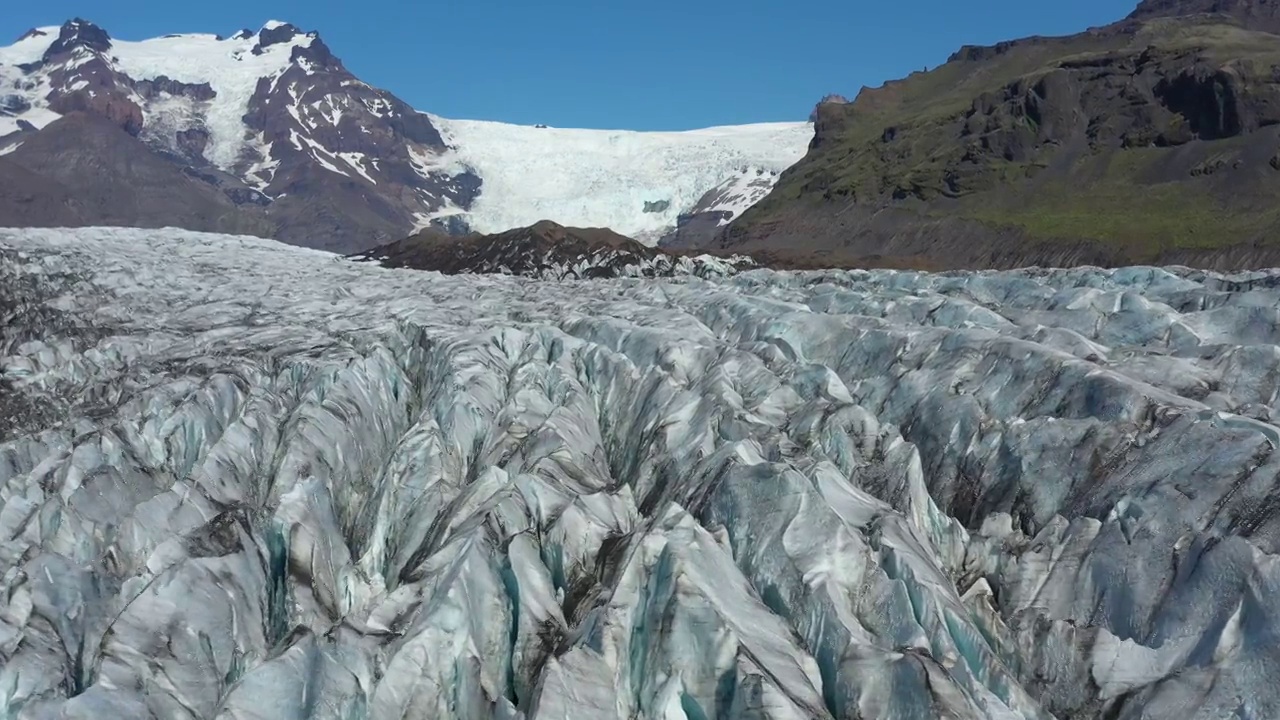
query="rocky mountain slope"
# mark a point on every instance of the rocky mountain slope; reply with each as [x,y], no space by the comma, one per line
[720,206]
[277,138]
[1154,139]
[246,481]
[113,178]
[547,251]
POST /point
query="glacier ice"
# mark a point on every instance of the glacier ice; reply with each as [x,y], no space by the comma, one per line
[244,480]
[637,183]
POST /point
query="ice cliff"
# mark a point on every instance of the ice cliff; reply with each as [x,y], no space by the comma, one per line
[242,480]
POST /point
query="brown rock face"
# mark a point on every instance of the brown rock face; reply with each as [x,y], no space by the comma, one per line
[94,172]
[523,251]
[30,199]
[1156,98]
[83,79]
[120,111]
[192,142]
[827,100]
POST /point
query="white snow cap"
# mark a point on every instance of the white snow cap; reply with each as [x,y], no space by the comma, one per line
[230,67]
[31,47]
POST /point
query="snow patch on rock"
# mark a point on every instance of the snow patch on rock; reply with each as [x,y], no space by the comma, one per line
[229,66]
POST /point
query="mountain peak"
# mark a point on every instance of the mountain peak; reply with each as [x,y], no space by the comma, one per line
[76,33]
[276,32]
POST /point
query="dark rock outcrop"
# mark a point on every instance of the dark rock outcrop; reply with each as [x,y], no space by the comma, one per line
[317,52]
[13,105]
[192,142]
[1261,15]
[78,33]
[120,111]
[166,86]
[523,251]
[91,83]
[275,36]
[544,250]
[363,206]
[828,99]
[695,229]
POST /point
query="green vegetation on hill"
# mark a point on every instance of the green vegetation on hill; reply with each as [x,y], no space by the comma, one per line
[1143,138]
[1141,219]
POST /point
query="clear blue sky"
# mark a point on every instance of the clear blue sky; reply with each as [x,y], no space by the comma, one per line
[659,64]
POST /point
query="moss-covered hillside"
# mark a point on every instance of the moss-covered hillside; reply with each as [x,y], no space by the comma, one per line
[1155,139]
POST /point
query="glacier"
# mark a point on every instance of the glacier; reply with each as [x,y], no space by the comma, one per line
[245,480]
[637,183]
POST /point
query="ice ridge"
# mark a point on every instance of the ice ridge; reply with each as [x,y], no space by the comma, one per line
[244,480]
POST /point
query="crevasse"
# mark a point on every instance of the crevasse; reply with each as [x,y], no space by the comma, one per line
[243,480]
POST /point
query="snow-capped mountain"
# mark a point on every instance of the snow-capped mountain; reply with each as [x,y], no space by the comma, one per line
[271,125]
[270,119]
[246,481]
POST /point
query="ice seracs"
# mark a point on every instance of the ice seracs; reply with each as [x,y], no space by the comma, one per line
[635,183]
[242,480]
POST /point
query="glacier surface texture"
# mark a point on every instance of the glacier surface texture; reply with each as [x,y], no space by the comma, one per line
[243,480]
